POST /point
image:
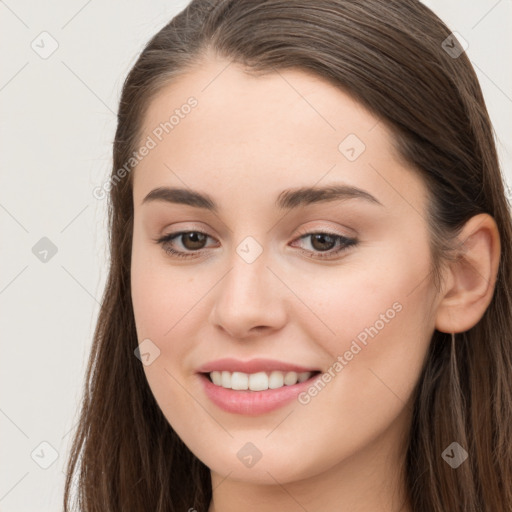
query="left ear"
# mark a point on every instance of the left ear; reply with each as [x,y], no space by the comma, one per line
[470,280]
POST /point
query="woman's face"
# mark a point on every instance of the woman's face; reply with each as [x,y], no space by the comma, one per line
[316,282]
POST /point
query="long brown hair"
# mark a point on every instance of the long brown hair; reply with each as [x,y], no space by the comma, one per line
[392,56]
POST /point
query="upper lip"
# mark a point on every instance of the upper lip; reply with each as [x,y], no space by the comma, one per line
[251,366]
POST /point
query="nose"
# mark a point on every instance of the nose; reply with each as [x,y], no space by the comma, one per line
[249,299]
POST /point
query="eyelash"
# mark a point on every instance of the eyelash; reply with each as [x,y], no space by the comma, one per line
[346,244]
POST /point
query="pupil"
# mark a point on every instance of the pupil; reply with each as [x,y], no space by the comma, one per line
[196,239]
[322,237]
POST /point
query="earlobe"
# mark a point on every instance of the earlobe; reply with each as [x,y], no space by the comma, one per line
[472,277]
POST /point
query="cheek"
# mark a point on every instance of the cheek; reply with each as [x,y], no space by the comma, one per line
[165,304]
[376,323]
[162,296]
[374,298]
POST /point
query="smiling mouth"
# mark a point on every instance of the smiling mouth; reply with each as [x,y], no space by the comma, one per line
[260,381]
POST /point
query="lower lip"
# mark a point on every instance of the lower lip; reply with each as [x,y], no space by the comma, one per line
[253,403]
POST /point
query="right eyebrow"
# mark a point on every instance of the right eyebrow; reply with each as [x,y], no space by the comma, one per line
[181,196]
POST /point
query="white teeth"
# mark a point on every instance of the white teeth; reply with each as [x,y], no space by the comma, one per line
[239,380]
[216,378]
[276,380]
[257,381]
[226,380]
[290,378]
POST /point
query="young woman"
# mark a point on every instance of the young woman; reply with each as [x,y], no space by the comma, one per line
[308,306]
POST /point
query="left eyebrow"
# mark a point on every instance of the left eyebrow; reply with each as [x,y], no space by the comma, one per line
[293,198]
[287,199]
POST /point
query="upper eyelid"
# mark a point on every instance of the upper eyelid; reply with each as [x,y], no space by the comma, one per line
[302,230]
[302,234]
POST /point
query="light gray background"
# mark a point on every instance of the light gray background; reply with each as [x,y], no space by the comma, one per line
[57,122]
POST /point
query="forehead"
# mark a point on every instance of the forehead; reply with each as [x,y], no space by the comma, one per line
[284,128]
[232,101]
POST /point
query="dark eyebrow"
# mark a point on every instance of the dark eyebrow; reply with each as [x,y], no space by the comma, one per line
[293,198]
[181,196]
[287,199]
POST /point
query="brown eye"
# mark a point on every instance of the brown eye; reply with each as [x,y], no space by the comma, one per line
[193,240]
[326,245]
[184,244]
[190,244]
[322,241]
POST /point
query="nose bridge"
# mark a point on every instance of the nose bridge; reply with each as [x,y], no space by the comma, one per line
[247,297]
[247,282]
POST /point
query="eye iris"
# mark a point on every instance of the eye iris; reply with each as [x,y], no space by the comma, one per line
[197,240]
[321,237]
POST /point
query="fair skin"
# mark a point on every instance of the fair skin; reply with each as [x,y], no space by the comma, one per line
[246,141]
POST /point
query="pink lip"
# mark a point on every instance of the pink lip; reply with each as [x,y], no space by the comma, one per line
[252,366]
[253,403]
